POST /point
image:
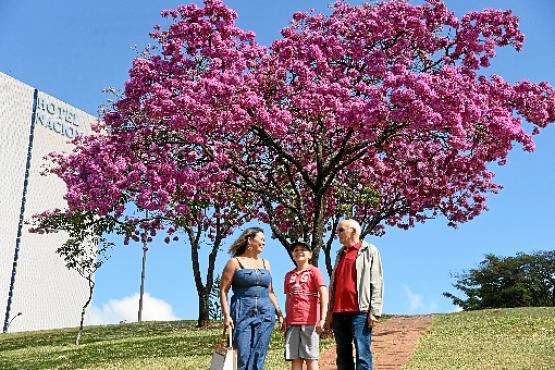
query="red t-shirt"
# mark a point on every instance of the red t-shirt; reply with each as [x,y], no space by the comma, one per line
[345,293]
[303,298]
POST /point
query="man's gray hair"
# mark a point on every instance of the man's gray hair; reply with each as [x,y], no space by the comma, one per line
[355,225]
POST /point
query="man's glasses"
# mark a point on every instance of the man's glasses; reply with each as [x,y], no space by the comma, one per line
[341,229]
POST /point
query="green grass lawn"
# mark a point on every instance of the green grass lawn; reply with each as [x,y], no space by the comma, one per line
[152,345]
[497,339]
[508,339]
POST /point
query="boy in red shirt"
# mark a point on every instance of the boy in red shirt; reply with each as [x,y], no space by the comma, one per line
[305,307]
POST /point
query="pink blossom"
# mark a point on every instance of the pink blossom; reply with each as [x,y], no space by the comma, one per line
[378,111]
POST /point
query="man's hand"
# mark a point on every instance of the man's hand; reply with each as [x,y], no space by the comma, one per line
[328,323]
[372,320]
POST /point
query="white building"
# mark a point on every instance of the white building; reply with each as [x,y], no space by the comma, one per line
[43,290]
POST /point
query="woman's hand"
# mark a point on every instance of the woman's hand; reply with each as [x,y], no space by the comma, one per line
[228,322]
[281,322]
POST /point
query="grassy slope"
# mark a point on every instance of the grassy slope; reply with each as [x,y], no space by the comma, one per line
[508,339]
[153,345]
[481,340]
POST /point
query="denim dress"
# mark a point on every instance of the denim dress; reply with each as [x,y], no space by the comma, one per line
[253,315]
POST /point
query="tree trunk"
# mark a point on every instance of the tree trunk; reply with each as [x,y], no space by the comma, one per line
[327,255]
[328,245]
[210,274]
[317,229]
[84,309]
[203,311]
[142,288]
[194,240]
[143,274]
[203,291]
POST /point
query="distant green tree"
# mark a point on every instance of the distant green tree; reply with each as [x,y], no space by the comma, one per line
[525,280]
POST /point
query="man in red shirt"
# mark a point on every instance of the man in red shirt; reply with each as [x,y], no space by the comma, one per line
[356,303]
[306,308]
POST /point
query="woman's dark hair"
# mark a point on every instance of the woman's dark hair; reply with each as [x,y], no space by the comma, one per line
[240,245]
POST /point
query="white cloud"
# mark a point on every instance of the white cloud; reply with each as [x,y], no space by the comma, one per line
[116,310]
[417,304]
[414,300]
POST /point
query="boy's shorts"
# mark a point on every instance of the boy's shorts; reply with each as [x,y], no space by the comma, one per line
[302,341]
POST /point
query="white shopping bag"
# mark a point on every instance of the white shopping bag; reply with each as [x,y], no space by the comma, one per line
[224,357]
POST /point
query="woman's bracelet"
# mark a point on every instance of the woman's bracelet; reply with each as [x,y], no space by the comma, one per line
[279,313]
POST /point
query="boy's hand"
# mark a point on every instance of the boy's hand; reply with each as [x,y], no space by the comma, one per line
[320,327]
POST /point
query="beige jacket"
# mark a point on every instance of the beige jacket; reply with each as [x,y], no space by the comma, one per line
[369,279]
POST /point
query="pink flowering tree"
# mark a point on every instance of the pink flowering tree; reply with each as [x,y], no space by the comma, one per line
[405,109]
[385,103]
[378,111]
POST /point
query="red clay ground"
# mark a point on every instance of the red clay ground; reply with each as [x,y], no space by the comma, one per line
[393,343]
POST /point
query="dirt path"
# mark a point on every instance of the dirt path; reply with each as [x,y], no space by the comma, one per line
[393,342]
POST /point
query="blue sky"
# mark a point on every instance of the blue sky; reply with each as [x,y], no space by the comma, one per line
[74,49]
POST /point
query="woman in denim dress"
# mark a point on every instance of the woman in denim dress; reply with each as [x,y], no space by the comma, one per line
[254,305]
